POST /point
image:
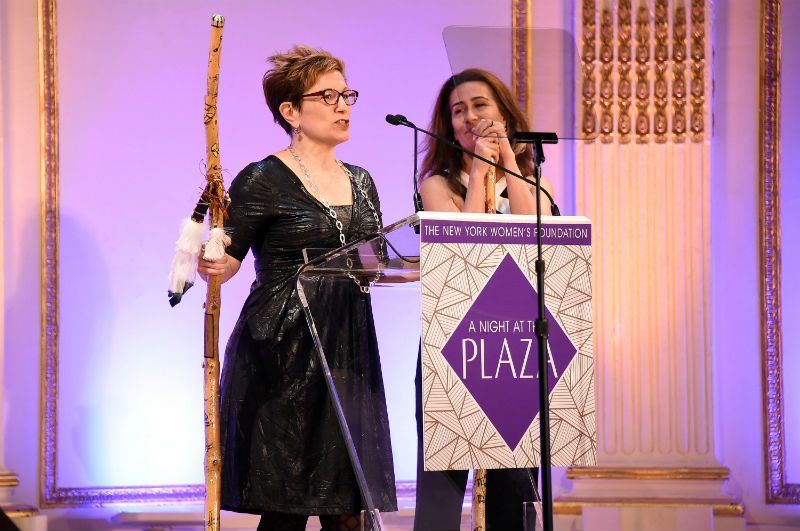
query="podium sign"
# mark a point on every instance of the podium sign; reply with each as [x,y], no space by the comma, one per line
[479,350]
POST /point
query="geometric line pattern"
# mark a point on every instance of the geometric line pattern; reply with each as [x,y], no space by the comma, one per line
[457,435]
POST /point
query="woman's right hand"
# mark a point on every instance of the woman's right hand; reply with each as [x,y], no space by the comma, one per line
[488,134]
[224,267]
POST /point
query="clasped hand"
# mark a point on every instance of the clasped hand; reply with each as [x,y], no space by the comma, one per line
[491,142]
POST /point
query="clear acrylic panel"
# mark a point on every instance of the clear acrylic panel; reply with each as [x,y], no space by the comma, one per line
[336,289]
[552,74]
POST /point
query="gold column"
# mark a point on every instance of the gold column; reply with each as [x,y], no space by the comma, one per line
[649,203]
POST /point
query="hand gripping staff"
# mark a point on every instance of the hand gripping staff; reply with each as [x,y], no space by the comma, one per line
[213,200]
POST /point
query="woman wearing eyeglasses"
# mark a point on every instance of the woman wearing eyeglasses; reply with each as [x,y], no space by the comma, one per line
[283,453]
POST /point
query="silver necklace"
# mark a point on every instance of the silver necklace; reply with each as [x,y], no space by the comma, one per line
[330,210]
[332,213]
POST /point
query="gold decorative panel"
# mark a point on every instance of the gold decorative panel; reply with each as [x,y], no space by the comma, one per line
[698,69]
[651,57]
[642,74]
[624,55]
[646,187]
[606,70]
[588,57]
[679,75]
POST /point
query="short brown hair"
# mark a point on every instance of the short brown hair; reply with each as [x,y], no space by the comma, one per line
[442,159]
[292,74]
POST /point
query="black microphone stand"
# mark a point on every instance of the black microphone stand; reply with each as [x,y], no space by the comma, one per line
[541,329]
[417,197]
[540,324]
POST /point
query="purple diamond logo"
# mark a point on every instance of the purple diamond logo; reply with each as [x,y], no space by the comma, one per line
[494,351]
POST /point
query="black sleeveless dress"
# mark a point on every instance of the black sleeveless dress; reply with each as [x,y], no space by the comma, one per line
[281,444]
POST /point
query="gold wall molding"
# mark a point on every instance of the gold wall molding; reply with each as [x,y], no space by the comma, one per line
[50,493]
[698,70]
[720,507]
[49,232]
[624,55]
[778,489]
[9,481]
[679,75]
[694,473]
[20,511]
[642,74]
[661,56]
[588,57]
[522,53]
[651,58]
[606,72]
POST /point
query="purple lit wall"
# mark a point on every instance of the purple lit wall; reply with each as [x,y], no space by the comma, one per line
[131,81]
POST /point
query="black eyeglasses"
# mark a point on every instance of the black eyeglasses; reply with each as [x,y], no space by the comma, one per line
[331,96]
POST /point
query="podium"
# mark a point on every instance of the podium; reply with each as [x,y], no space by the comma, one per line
[479,353]
[474,277]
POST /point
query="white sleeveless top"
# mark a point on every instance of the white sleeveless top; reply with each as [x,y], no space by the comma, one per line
[501,203]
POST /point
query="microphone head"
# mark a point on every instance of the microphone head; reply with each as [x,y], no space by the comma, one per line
[405,121]
[394,119]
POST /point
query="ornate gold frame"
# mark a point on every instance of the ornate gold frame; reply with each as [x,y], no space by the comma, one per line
[50,494]
[778,490]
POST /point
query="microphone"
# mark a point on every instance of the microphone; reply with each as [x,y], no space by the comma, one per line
[399,119]
[396,119]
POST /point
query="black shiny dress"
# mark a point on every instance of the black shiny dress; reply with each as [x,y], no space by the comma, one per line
[281,444]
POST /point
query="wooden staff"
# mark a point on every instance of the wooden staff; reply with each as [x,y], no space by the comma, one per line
[488,184]
[479,481]
[479,500]
[215,196]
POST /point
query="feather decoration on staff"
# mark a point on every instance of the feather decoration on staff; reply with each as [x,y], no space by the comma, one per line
[213,201]
[190,240]
[184,264]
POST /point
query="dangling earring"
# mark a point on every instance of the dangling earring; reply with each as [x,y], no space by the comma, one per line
[296,131]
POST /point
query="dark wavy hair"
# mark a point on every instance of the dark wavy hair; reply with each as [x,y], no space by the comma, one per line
[442,159]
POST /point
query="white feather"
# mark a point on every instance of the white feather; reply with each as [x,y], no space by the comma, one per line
[215,246]
[187,250]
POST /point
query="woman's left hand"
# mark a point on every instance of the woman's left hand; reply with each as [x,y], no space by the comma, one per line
[495,131]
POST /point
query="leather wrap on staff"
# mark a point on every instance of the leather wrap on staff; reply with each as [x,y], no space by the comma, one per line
[214,195]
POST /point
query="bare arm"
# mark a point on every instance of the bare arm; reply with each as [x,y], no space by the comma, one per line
[226,267]
[437,196]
